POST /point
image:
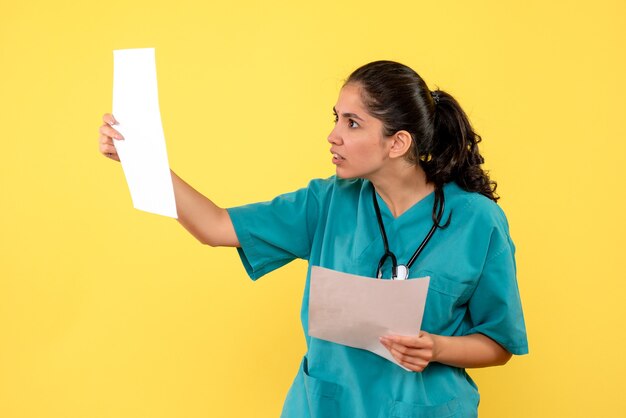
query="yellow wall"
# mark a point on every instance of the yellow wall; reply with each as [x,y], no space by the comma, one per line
[106,311]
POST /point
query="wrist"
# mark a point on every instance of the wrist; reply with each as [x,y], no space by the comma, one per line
[439,343]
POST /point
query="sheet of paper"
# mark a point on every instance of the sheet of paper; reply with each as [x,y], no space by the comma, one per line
[142,152]
[356,311]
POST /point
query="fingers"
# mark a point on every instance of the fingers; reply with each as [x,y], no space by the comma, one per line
[109,119]
[417,364]
[423,340]
[107,134]
[410,351]
[107,130]
[403,352]
[109,151]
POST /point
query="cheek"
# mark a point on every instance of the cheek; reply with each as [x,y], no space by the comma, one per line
[374,149]
[364,147]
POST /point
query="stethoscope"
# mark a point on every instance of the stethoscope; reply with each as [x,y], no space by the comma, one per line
[401,271]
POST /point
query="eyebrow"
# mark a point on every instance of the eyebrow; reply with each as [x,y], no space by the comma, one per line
[348,115]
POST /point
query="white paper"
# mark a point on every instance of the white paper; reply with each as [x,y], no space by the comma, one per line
[142,152]
[356,311]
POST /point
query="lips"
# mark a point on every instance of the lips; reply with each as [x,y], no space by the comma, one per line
[336,156]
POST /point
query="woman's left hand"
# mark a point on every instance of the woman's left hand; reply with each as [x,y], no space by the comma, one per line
[414,352]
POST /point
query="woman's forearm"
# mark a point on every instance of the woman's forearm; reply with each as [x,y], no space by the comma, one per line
[470,351]
[206,221]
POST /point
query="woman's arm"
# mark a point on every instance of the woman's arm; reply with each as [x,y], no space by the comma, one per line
[469,351]
[206,221]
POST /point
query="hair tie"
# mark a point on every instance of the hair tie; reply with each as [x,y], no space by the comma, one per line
[435,96]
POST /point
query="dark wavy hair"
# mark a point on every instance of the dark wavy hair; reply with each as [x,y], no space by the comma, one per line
[444,142]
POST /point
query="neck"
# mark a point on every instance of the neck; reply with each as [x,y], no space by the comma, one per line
[402,188]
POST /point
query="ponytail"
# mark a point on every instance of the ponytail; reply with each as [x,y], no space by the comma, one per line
[455,155]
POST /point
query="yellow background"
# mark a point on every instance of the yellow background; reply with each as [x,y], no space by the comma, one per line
[106,311]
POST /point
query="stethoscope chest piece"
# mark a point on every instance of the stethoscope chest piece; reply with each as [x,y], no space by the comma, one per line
[402,272]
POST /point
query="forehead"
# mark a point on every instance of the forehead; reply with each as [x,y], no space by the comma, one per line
[350,100]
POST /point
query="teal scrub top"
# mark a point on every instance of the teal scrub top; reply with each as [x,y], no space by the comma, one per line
[473,289]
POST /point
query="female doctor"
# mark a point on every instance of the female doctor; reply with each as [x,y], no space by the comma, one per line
[409,191]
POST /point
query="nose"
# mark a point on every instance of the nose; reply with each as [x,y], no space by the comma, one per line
[333,137]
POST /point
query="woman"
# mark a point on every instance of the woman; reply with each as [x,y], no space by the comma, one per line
[408,175]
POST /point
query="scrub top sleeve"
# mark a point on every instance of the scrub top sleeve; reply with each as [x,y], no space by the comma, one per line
[495,307]
[271,234]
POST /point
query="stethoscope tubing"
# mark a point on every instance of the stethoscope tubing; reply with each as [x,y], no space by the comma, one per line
[418,251]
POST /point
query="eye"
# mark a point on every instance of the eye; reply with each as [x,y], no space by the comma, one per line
[335,117]
[352,123]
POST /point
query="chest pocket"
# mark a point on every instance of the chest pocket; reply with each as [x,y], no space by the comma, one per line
[446,303]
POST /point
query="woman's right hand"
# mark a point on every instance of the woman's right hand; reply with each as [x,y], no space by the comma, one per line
[107,134]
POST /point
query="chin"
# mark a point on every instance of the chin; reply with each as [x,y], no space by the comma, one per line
[349,175]
[345,175]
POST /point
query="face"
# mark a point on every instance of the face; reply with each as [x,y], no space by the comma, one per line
[357,142]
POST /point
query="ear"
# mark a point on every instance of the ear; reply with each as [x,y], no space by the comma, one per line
[401,144]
